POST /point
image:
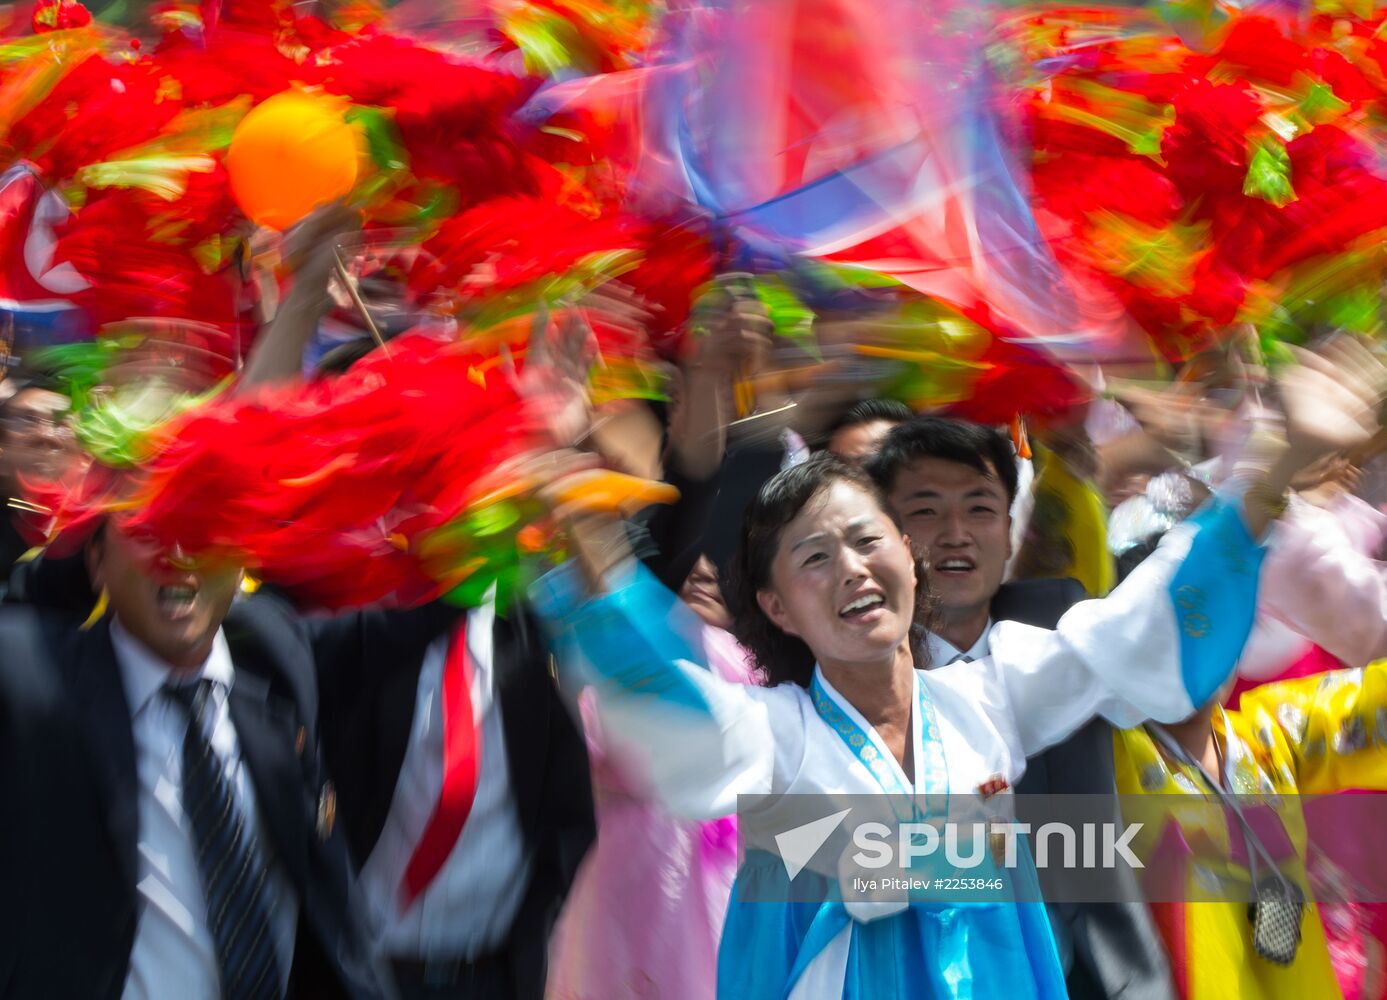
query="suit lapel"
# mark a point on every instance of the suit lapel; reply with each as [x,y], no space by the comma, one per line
[110,740]
[399,692]
[265,730]
[524,712]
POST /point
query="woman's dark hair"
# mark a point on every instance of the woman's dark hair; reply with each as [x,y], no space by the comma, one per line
[781,657]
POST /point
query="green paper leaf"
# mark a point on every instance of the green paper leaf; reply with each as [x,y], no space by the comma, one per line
[1138,123]
[588,274]
[1147,143]
[1356,310]
[382,139]
[492,519]
[165,177]
[548,42]
[1321,105]
[470,592]
[790,317]
[1269,173]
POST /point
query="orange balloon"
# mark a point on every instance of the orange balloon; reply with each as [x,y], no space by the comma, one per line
[292,153]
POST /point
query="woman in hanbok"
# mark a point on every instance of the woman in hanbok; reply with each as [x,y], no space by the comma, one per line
[826,596]
[1308,736]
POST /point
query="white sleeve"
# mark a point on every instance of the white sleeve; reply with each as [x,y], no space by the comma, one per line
[699,741]
[1157,647]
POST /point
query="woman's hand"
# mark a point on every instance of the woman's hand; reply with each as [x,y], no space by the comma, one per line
[732,330]
[309,251]
[589,502]
[598,540]
[554,381]
[1331,400]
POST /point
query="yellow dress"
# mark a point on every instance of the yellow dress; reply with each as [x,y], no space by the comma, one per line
[1319,734]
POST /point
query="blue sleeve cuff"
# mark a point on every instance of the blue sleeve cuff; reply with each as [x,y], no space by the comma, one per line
[559,594]
[1214,593]
[634,638]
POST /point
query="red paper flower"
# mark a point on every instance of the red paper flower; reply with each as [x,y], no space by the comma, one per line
[59,15]
[96,110]
[219,66]
[1206,149]
[1018,380]
[453,117]
[1078,183]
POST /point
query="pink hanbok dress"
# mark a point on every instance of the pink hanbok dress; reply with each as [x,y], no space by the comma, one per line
[646,910]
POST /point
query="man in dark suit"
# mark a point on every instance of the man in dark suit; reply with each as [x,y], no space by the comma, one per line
[378,678]
[461,892]
[951,484]
[462,782]
[169,829]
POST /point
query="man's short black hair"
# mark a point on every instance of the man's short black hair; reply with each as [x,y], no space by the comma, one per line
[977,446]
[870,410]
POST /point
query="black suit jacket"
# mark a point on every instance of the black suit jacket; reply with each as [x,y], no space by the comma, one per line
[371,663]
[1117,951]
[1041,603]
[69,794]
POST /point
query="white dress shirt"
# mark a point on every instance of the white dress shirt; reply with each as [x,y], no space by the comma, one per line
[173,954]
[942,652]
[469,907]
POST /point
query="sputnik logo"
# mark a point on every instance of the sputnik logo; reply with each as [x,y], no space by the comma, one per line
[798,846]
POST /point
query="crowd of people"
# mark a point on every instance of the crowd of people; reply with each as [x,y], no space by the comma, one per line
[472,470]
[210,792]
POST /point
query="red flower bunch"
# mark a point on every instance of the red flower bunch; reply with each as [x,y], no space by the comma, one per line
[1199,187]
[327,488]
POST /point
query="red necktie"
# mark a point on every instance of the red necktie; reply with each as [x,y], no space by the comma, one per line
[462,754]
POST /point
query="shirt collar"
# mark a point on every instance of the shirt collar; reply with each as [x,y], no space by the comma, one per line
[942,651]
[482,619]
[143,673]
